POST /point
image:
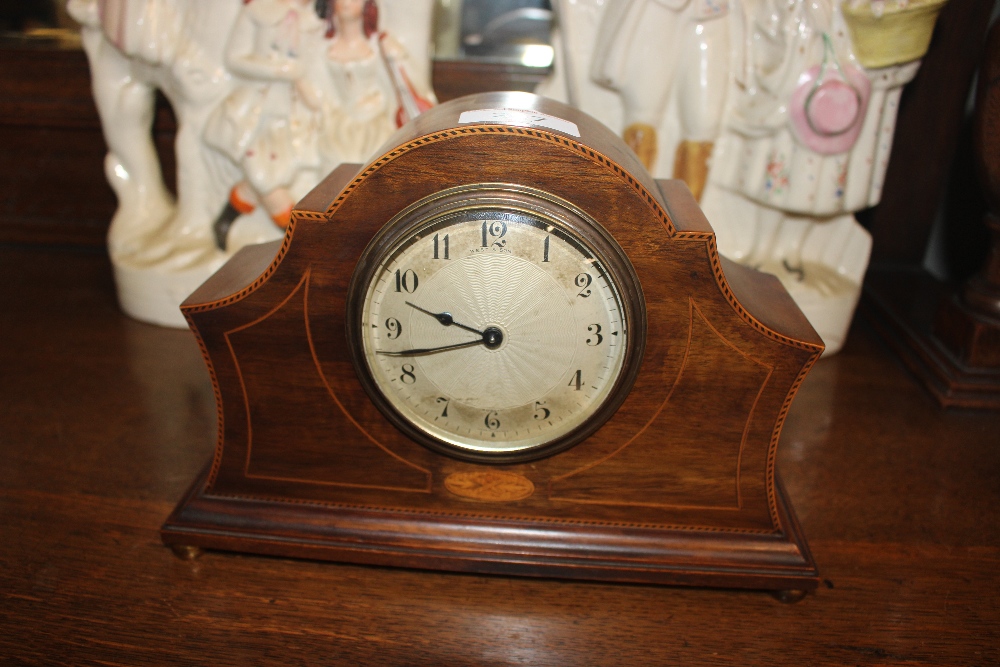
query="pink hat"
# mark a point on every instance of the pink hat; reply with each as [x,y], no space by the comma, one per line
[828,107]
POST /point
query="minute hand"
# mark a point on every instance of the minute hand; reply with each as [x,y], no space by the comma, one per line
[429,350]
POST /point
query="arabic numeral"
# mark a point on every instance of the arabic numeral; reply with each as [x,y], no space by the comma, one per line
[583,280]
[576,381]
[541,412]
[406,281]
[407,377]
[446,401]
[492,420]
[545,250]
[597,339]
[496,229]
[394,327]
[443,246]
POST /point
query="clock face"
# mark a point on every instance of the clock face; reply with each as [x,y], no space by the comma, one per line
[494,330]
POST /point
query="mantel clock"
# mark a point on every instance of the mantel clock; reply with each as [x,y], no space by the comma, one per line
[502,347]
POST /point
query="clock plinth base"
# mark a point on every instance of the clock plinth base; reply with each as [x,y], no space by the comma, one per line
[596,552]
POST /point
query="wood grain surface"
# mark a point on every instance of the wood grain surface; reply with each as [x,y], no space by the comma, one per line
[104,422]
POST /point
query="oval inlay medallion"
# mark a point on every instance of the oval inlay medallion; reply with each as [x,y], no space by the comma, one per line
[489,485]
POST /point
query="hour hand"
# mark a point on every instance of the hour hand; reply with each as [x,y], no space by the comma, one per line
[418,352]
[444,318]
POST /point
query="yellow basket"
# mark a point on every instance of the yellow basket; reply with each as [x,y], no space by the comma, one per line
[901,34]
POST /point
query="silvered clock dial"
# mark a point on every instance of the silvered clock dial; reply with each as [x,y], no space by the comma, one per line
[494,323]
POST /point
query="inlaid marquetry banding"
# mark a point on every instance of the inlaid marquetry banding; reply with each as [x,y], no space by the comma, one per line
[252,287]
[577,147]
[217,390]
[489,485]
[504,518]
[623,175]
[605,161]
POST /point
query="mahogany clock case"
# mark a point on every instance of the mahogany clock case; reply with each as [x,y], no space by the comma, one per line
[678,486]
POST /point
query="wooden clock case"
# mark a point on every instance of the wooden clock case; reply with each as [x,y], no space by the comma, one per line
[677,487]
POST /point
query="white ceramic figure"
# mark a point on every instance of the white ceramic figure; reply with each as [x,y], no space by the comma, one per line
[268,124]
[768,94]
[688,40]
[249,84]
[374,87]
[161,249]
[574,35]
[806,142]
[655,70]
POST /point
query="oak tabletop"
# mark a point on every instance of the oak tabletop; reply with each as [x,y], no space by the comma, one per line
[104,422]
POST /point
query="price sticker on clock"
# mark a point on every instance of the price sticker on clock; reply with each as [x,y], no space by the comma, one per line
[520,117]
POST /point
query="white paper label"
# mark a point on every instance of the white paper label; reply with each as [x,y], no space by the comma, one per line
[519,117]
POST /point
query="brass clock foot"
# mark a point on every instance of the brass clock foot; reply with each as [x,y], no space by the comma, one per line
[186,552]
[789,596]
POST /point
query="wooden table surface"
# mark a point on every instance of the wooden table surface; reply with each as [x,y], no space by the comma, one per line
[104,422]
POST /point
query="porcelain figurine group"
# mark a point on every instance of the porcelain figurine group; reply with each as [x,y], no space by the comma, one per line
[270,95]
[779,114]
[285,117]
